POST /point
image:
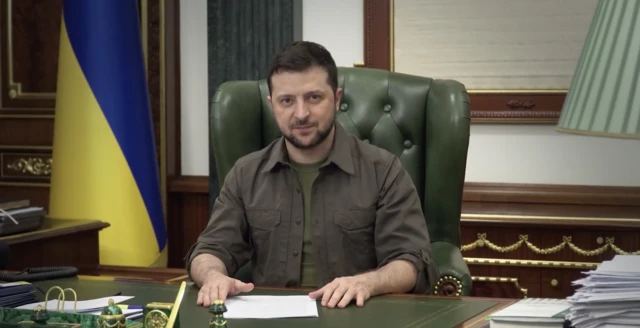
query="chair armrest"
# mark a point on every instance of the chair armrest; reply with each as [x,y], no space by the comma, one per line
[455,278]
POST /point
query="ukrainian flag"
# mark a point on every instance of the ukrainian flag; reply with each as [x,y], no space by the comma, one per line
[104,161]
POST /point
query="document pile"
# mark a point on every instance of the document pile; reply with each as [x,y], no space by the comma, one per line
[532,313]
[18,293]
[92,306]
[609,296]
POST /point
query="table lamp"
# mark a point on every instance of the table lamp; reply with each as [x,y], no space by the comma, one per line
[604,96]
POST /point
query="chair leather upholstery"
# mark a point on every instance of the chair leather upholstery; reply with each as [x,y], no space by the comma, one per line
[424,121]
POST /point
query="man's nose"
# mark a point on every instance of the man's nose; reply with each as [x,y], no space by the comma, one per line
[300,112]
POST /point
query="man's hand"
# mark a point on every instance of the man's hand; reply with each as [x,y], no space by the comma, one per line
[341,291]
[218,286]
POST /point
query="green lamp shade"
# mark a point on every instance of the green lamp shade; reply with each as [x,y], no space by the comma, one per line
[604,96]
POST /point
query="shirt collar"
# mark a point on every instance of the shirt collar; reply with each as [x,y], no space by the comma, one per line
[340,152]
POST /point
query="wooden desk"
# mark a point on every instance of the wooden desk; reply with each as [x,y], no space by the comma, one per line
[161,285]
[57,243]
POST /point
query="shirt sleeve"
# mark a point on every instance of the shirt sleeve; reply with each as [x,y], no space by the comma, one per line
[226,234]
[401,228]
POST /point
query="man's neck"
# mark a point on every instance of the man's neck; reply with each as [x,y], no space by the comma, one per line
[312,155]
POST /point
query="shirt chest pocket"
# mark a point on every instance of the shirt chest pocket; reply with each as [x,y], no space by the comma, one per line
[355,220]
[263,224]
[356,236]
[263,219]
[264,227]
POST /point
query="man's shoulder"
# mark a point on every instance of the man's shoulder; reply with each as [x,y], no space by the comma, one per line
[370,153]
[252,161]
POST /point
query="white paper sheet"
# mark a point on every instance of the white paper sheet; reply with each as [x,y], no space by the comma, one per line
[81,306]
[268,307]
[609,296]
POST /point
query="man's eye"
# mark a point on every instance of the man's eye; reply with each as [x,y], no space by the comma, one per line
[285,100]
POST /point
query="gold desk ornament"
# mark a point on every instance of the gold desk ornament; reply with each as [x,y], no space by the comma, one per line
[61,298]
[40,315]
[156,314]
[217,310]
[164,315]
[111,317]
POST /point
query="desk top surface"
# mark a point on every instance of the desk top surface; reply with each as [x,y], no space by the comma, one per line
[382,311]
[55,228]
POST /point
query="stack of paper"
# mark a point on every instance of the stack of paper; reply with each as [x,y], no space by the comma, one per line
[14,294]
[93,306]
[609,296]
[532,313]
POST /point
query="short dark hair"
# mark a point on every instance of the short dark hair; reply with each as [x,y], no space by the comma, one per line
[302,55]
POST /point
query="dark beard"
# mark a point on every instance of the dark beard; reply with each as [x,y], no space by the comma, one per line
[319,138]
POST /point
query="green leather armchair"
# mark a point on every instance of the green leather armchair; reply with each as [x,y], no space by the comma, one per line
[424,121]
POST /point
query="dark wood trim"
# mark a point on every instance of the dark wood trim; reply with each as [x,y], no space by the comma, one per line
[516,107]
[551,194]
[173,166]
[494,192]
[189,184]
[486,107]
[525,212]
[377,34]
[39,67]
[602,223]
[172,85]
[54,231]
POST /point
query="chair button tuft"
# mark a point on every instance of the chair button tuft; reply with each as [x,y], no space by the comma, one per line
[387,108]
[407,144]
[344,107]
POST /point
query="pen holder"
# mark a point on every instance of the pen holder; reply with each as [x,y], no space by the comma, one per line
[157,314]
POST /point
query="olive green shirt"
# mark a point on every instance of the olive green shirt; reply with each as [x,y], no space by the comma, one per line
[365,212]
[306,174]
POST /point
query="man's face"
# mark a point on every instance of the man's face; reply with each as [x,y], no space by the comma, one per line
[304,106]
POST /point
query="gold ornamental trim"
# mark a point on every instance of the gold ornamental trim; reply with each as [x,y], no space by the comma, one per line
[511,217]
[531,263]
[156,319]
[513,281]
[482,241]
[447,278]
[32,165]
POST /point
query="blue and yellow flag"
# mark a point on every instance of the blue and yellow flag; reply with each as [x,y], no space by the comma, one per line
[104,158]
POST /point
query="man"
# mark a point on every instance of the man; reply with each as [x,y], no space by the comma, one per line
[316,208]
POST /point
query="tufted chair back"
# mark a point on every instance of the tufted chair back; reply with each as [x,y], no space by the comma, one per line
[423,121]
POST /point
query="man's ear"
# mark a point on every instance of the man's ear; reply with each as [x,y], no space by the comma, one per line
[338,98]
[269,100]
